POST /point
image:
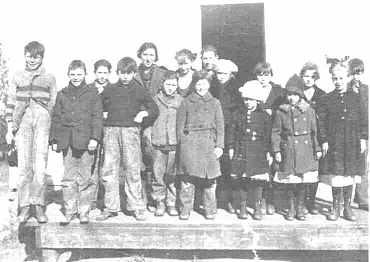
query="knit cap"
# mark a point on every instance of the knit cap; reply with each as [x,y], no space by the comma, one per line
[295,85]
[252,90]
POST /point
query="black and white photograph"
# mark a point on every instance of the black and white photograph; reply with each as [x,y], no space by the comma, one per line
[184,131]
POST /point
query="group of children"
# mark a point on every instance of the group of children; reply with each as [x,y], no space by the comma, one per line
[174,136]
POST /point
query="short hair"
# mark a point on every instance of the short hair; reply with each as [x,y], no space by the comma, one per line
[262,68]
[340,64]
[202,74]
[34,48]
[356,66]
[209,48]
[145,46]
[102,62]
[310,66]
[169,75]
[76,64]
[186,52]
[126,65]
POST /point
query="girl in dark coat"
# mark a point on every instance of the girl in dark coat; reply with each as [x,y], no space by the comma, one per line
[200,136]
[343,127]
[310,74]
[248,141]
[295,146]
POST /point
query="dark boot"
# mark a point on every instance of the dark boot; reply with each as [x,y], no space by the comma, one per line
[311,198]
[24,214]
[270,208]
[40,215]
[335,212]
[347,196]
[291,209]
[243,210]
[300,194]
[84,217]
[257,215]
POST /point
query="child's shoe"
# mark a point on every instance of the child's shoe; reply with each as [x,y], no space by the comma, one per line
[67,218]
[210,216]
[40,214]
[335,212]
[12,194]
[172,211]
[84,218]
[105,215]
[160,209]
[184,215]
[230,208]
[347,212]
[243,210]
[291,211]
[300,202]
[257,215]
[140,215]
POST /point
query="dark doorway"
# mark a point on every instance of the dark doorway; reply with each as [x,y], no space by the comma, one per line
[238,32]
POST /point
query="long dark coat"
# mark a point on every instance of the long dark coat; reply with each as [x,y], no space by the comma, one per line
[294,135]
[200,128]
[342,122]
[249,135]
[77,118]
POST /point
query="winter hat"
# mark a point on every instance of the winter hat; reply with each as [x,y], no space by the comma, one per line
[225,65]
[253,90]
[295,85]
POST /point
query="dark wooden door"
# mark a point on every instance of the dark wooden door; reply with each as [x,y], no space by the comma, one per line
[238,32]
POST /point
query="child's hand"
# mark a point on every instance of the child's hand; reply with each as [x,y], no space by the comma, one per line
[139,117]
[363,145]
[325,148]
[278,157]
[318,155]
[231,153]
[269,158]
[92,145]
[218,151]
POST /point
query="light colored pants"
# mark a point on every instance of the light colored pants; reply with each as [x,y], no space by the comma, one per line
[164,175]
[122,144]
[78,182]
[32,145]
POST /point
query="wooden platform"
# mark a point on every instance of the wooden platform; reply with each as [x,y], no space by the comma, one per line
[226,232]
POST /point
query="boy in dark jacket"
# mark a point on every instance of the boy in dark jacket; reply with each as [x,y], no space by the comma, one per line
[75,130]
[123,103]
[248,141]
[164,143]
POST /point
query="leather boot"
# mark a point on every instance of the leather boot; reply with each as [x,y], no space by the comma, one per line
[270,208]
[291,210]
[300,194]
[40,215]
[347,196]
[257,215]
[335,212]
[311,198]
[24,214]
[243,210]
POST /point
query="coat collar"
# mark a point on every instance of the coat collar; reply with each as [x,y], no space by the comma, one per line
[83,89]
[173,102]
[302,106]
[194,97]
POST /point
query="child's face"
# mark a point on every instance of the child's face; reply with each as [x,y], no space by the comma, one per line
[293,98]
[251,104]
[209,60]
[184,64]
[33,62]
[102,75]
[126,77]
[202,86]
[170,86]
[148,57]
[76,76]
[309,78]
[358,76]
[223,76]
[264,78]
[340,78]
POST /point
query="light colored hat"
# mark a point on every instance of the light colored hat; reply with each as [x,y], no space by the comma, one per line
[225,65]
[253,90]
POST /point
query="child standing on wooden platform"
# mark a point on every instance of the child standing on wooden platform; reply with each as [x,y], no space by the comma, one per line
[343,123]
[164,146]
[76,128]
[200,134]
[248,140]
[295,146]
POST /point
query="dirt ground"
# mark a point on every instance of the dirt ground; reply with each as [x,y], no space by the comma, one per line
[14,250]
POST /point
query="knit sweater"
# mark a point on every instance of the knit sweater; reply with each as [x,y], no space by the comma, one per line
[123,102]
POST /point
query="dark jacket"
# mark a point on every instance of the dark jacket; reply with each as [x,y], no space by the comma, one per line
[200,129]
[3,132]
[276,97]
[155,80]
[123,102]
[318,93]
[76,118]
[249,135]
[362,90]
[294,135]
[228,95]
[343,122]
